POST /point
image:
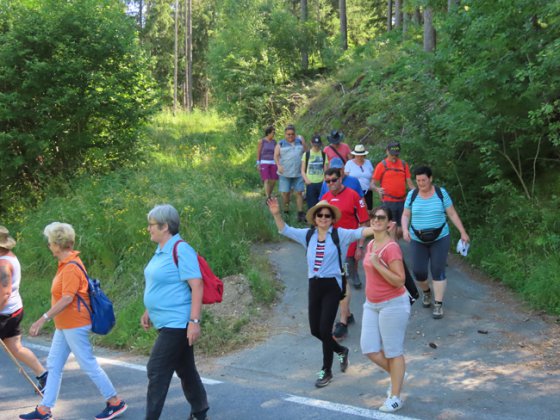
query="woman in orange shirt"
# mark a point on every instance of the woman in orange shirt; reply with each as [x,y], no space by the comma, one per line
[73,325]
[387,306]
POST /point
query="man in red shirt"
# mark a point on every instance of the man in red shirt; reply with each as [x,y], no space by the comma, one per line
[390,179]
[354,213]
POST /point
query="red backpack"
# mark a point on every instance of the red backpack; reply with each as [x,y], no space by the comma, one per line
[213,286]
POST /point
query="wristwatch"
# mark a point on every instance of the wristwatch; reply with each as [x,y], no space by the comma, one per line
[194,321]
[46,317]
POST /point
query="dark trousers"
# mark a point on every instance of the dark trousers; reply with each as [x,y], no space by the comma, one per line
[172,353]
[324,297]
[312,194]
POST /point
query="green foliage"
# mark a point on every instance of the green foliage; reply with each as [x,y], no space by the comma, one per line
[196,166]
[74,90]
[483,112]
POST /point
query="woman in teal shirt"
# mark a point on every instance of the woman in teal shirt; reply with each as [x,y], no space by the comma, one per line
[173,301]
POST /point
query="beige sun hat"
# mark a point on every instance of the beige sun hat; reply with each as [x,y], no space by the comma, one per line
[6,241]
[322,204]
[359,150]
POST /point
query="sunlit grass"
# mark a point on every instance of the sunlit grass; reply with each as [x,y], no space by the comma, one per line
[193,163]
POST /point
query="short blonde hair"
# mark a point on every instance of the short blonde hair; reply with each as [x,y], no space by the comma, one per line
[61,234]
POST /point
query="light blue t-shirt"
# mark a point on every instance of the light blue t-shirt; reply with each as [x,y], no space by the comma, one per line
[428,213]
[330,266]
[167,296]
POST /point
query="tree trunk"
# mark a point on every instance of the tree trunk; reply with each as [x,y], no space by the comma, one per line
[343,24]
[188,100]
[405,22]
[304,53]
[451,5]
[389,15]
[429,31]
[417,16]
[176,64]
[398,13]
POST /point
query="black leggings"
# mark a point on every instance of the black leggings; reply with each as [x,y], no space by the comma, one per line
[324,297]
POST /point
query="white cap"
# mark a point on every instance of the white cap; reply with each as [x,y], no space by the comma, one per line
[463,248]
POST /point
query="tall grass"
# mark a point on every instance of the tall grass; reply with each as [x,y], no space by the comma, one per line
[197,163]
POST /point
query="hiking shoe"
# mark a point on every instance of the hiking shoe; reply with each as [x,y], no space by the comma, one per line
[112,411]
[36,415]
[426,299]
[390,387]
[350,320]
[343,359]
[42,381]
[357,283]
[325,378]
[437,312]
[340,330]
[391,404]
[301,217]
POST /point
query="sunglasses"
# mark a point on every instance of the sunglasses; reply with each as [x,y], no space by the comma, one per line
[323,215]
[331,181]
[379,217]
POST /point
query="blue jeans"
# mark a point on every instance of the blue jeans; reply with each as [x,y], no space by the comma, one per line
[75,340]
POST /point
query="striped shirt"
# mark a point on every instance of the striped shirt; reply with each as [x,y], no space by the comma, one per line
[428,213]
[319,255]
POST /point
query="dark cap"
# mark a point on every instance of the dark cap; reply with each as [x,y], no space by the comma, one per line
[335,137]
[316,140]
[394,148]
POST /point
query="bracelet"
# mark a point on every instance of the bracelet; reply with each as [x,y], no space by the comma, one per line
[46,317]
[361,246]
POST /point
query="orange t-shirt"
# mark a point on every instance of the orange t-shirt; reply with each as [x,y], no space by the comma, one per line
[394,179]
[377,288]
[69,281]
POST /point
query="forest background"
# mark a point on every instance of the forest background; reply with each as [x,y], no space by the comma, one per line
[109,107]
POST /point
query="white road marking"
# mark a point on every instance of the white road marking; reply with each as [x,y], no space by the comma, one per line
[346,409]
[106,361]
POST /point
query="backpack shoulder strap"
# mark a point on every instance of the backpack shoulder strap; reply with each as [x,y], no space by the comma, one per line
[307,156]
[309,234]
[336,240]
[336,151]
[384,163]
[438,192]
[175,255]
[403,166]
[80,299]
[414,195]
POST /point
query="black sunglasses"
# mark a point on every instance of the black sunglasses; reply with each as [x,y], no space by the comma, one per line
[323,215]
[331,181]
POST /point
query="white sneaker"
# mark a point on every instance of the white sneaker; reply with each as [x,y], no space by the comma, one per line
[392,404]
[390,387]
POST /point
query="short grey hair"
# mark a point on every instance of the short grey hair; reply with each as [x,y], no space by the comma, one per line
[61,234]
[165,214]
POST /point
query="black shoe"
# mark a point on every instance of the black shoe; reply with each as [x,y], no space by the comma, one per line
[343,359]
[357,284]
[325,378]
[301,217]
[340,330]
[350,320]
[42,381]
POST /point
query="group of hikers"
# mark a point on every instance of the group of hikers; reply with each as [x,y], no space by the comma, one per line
[339,184]
[173,302]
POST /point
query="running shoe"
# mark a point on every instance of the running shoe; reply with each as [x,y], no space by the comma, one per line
[112,411]
[391,404]
[340,331]
[36,415]
[324,379]
[437,312]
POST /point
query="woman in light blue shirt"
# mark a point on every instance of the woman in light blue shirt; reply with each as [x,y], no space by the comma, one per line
[324,272]
[425,209]
[173,301]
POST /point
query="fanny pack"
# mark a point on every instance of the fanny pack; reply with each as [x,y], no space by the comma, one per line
[428,235]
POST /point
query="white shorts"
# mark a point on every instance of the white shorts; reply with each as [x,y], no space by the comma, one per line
[384,326]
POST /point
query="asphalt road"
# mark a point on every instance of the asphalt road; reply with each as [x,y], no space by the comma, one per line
[492,360]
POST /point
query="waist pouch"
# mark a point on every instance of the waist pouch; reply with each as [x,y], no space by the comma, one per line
[428,235]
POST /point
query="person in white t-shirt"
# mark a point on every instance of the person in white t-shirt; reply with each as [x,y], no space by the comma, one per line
[361,168]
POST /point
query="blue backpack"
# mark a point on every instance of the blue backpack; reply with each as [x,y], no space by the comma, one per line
[101,312]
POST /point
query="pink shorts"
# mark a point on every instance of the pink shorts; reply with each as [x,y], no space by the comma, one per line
[269,171]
